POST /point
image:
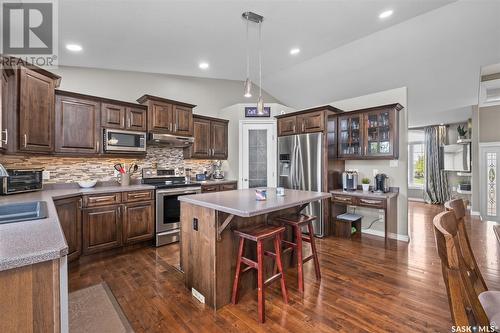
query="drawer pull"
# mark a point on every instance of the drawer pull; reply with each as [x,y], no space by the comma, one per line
[140,195]
[103,198]
[371,202]
[342,198]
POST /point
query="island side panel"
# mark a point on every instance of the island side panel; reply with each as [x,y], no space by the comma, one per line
[227,250]
[198,250]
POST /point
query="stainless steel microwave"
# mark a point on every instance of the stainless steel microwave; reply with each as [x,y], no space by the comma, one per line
[124,141]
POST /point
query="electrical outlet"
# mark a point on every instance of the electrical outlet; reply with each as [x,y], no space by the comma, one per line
[196,294]
[45,175]
[195,224]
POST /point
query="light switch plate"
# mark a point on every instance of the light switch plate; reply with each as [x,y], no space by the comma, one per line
[394,163]
[45,175]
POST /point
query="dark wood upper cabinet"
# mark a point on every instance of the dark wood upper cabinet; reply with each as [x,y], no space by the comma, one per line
[36,111]
[6,100]
[210,138]
[138,222]
[202,145]
[77,125]
[219,138]
[102,228]
[311,122]
[287,126]
[136,119]
[371,133]
[70,217]
[112,115]
[168,116]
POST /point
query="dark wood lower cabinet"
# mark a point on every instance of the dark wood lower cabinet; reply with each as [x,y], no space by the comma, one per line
[229,186]
[70,216]
[102,228]
[137,218]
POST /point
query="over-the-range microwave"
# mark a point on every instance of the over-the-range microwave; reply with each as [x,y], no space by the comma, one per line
[120,141]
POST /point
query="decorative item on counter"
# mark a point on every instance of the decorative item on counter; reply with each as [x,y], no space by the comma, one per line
[260,194]
[87,183]
[125,179]
[119,167]
[201,177]
[217,167]
[280,191]
[365,183]
[462,132]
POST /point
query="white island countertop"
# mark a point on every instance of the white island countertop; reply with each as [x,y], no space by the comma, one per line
[243,203]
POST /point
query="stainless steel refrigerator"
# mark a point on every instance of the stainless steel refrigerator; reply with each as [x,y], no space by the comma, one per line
[300,167]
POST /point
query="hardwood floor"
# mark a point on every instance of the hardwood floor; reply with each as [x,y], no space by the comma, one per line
[365,286]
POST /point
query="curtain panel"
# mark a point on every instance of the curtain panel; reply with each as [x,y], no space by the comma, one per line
[436,182]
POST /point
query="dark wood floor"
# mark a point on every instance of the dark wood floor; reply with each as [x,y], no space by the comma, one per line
[365,287]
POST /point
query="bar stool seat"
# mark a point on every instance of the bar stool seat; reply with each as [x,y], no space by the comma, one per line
[297,221]
[259,234]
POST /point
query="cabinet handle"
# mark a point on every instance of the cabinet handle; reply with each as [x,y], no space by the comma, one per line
[104,198]
[80,203]
[175,127]
[129,122]
[371,202]
[303,126]
[6,136]
[293,128]
[139,195]
[25,140]
[342,199]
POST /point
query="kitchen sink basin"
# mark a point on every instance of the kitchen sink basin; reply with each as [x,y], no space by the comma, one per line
[24,211]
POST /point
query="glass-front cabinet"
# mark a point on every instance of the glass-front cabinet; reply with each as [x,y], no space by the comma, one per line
[370,133]
[351,135]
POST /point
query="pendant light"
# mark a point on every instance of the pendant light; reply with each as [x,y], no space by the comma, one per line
[250,16]
[248,82]
[260,101]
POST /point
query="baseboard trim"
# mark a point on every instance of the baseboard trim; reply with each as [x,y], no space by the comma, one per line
[474,213]
[390,235]
[416,199]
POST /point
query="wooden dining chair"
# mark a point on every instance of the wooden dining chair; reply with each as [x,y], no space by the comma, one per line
[465,307]
[457,206]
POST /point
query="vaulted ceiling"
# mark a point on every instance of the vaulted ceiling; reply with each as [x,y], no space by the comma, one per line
[346,50]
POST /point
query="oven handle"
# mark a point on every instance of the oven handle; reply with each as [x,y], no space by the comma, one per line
[175,192]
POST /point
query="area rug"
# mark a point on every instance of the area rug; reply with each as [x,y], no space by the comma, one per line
[95,309]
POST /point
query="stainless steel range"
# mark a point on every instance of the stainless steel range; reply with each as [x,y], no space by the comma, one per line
[169,188]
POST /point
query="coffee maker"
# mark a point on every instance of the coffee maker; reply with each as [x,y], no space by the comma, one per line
[349,180]
[381,183]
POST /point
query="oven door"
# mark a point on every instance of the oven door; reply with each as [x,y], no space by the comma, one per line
[124,141]
[168,208]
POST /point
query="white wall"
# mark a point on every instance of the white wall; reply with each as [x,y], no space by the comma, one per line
[235,114]
[210,95]
[398,175]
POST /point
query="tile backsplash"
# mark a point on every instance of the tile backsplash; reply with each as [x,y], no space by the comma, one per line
[73,169]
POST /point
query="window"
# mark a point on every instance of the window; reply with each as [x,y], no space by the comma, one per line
[416,159]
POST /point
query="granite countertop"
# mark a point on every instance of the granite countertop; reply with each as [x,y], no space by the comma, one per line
[242,202]
[370,194]
[30,242]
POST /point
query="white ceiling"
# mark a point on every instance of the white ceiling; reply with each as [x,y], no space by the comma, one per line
[174,36]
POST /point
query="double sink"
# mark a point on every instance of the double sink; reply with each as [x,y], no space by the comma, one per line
[24,211]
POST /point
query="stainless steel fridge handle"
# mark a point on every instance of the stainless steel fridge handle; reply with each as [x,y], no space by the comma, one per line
[292,167]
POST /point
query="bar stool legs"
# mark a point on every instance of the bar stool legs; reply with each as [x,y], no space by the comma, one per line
[259,236]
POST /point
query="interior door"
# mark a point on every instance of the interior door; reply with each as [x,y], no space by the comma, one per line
[257,154]
[489,160]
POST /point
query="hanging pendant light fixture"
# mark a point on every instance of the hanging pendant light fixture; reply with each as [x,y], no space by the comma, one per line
[248,82]
[250,16]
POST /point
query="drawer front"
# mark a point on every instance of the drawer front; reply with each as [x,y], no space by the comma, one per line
[343,199]
[209,188]
[137,196]
[101,199]
[373,203]
[228,187]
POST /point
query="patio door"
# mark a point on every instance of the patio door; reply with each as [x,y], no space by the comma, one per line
[257,165]
[489,168]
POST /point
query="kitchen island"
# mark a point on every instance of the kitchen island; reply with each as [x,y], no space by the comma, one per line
[208,245]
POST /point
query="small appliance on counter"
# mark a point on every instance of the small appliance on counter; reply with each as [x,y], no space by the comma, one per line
[21,180]
[349,180]
[381,183]
[218,173]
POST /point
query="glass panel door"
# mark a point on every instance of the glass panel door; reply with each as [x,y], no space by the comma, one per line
[350,135]
[378,133]
[257,158]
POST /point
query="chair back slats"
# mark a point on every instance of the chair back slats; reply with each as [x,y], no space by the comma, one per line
[457,206]
[462,296]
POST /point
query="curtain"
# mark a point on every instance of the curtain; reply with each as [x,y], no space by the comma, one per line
[436,182]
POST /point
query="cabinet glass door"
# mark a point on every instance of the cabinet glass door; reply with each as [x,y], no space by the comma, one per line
[350,135]
[378,133]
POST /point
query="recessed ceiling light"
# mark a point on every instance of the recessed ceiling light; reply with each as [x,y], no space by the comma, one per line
[74,47]
[295,51]
[386,14]
[204,65]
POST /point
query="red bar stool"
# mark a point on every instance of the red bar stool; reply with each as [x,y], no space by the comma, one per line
[259,234]
[297,221]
